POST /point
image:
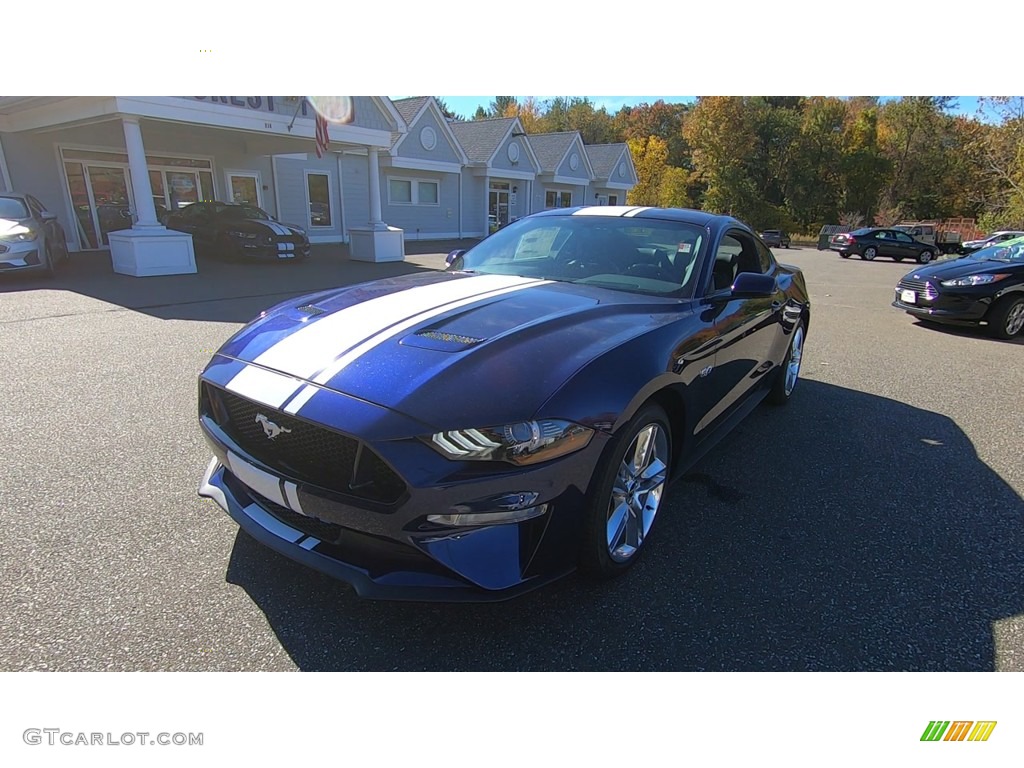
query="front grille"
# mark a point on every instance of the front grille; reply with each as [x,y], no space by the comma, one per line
[301,450]
[922,288]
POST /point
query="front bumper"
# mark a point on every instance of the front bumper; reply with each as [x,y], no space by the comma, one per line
[21,255]
[276,251]
[959,307]
[391,550]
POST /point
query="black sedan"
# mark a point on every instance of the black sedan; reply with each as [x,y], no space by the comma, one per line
[983,287]
[236,230]
[474,433]
[872,242]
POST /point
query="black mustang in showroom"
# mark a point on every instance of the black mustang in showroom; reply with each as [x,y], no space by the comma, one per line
[474,433]
[986,286]
[238,230]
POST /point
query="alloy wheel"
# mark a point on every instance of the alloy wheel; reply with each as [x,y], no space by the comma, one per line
[1015,319]
[637,492]
[869,254]
[796,354]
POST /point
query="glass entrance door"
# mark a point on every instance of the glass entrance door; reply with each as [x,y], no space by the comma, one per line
[109,188]
[497,205]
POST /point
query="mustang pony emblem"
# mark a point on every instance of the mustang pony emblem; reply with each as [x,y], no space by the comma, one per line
[272,429]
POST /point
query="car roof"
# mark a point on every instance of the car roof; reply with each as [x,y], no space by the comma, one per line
[684,215]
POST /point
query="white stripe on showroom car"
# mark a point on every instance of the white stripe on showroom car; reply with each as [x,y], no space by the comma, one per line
[308,350]
[278,229]
[266,387]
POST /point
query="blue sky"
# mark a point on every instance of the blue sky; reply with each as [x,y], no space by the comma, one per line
[466,105]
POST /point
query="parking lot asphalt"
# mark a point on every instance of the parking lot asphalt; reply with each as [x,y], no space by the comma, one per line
[876,523]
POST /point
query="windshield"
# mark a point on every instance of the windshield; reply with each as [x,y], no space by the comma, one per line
[650,256]
[1008,250]
[245,212]
[13,208]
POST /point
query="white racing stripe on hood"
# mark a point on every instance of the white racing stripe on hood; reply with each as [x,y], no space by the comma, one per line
[263,386]
[278,229]
[309,350]
[336,367]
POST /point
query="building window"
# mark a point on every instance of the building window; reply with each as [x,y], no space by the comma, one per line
[555,198]
[413,192]
[318,188]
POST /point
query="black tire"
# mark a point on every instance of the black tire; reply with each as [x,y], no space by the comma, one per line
[781,391]
[999,317]
[51,265]
[844,255]
[924,257]
[869,253]
[596,558]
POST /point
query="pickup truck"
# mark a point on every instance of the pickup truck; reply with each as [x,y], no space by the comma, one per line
[944,240]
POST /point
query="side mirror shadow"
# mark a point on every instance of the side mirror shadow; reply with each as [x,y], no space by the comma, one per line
[753,285]
[453,255]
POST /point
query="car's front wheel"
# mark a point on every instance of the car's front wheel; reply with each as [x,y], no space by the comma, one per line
[789,371]
[1006,319]
[626,494]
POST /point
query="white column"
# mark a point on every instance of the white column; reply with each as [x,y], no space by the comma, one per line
[376,220]
[141,189]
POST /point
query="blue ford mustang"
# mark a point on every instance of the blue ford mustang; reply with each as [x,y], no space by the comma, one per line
[474,433]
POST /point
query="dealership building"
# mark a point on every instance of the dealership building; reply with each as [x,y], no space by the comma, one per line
[397,170]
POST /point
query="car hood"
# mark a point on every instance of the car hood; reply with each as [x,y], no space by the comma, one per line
[948,270]
[448,348]
[261,227]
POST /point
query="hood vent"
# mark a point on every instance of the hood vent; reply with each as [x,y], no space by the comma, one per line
[309,309]
[440,341]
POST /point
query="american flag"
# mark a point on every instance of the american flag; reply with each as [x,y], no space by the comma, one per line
[323,139]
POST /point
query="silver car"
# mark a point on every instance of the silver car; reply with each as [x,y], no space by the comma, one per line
[30,236]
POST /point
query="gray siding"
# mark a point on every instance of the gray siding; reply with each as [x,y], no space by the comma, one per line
[356,189]
[290,180]
[564,169]
[474,210]
[442,152]
[419,221]
[502,162]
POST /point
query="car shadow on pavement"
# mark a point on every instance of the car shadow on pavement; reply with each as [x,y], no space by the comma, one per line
[966,332]
[225,291]
[847,531]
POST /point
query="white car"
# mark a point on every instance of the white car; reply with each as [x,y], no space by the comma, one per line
[996,237]
[31,238]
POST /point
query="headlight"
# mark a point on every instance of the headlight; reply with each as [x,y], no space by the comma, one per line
[20,234]
[974,280]
[526,442]
[243,235]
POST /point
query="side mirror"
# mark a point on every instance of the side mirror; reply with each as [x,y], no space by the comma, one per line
[753,285]
[47,216]
[453,255]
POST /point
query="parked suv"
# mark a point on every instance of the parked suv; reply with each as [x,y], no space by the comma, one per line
[775,238]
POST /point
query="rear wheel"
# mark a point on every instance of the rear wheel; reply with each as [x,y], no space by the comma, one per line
[869,253]
[626,495]
[924,257]
[1006,318]
[844,255]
